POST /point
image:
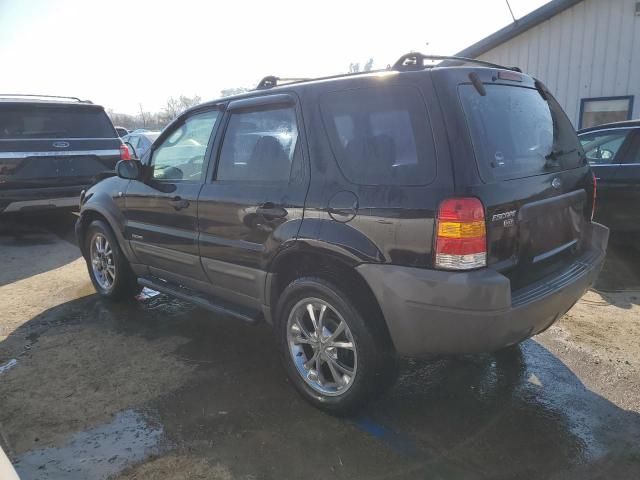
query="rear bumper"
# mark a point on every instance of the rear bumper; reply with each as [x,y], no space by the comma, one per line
[40,199]
[436,312]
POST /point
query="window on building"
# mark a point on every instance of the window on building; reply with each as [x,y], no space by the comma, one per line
[597,111]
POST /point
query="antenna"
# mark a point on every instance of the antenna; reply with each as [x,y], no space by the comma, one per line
[511,12]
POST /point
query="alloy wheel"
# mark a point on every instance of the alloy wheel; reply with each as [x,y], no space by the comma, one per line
[322,347]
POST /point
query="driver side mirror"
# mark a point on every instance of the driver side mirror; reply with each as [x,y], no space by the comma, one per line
[129,169]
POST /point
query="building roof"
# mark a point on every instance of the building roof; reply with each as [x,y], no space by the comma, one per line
[545,12]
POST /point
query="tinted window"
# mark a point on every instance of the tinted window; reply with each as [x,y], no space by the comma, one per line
[181,155]
[380,136]
[516,133]
[44,121]
[602,147]
[259,145]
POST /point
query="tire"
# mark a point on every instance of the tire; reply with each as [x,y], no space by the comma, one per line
[349,377]
[112,276]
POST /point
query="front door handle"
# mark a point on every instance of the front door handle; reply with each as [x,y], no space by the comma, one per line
[270,211]
[179,203]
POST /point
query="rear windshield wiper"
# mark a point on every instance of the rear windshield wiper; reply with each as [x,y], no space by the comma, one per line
[552,159]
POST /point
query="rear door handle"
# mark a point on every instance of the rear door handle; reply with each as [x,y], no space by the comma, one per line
[179,203]
[270,211]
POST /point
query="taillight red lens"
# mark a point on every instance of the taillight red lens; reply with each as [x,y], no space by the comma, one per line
[124,152]
[461,238]
[595,191]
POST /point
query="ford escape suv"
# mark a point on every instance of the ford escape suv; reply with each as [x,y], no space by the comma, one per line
[413,211]
[50,149]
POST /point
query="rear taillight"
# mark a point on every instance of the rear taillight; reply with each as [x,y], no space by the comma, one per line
[595,190]
[461,237]
[124,152]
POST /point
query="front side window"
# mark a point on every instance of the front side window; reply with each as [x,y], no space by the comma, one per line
[181,156]
[380,136]
[596,111]
[602,147]
[259,145]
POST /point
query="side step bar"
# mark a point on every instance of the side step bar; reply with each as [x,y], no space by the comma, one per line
[212,304]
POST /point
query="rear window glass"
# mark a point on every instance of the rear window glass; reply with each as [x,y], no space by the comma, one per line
[380,136]
[39,121]
[516,133]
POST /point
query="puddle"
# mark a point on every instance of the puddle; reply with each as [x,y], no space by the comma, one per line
[96,453]
[8,366]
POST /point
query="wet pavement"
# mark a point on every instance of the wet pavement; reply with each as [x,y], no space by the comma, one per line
[157,388]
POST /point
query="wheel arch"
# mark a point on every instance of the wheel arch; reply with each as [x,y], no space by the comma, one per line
[329,263]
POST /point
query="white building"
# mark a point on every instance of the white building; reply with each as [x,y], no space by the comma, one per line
[586,51]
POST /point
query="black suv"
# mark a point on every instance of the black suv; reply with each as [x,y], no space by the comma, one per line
[50,149]
[412,211]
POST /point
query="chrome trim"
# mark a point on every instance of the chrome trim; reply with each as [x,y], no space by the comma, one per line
[62,153]
[54,139]
[614,129]
[614,164]
[48,202]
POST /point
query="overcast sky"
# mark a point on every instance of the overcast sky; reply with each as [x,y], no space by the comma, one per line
[120,53]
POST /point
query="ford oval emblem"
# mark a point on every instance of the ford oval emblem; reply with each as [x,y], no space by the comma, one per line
[556,183]
[60,144]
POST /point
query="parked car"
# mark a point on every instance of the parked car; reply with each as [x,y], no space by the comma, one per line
[409,212]
[50,149]
[140,141]
[613,150]
[122,132]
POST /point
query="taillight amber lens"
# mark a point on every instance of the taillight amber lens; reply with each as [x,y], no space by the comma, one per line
[461,237]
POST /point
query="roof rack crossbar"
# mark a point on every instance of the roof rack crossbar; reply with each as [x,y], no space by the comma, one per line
[27,95]
[271,81]
[415,61]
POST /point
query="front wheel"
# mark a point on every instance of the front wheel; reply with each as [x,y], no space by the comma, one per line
[335,359]
[109,270]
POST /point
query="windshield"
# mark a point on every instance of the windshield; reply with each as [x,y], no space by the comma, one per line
[54,121]
[516,133]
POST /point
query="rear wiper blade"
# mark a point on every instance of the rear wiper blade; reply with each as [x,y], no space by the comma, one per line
[552,159]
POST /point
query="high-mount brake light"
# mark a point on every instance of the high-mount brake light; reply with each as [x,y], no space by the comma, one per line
[461,237]
[124,152]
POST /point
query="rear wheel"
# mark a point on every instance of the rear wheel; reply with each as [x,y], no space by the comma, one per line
[109,270]
[333,357]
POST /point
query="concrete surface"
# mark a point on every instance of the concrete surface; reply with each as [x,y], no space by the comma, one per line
[159,389]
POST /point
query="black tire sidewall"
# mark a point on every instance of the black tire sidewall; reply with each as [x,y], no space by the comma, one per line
[370,350]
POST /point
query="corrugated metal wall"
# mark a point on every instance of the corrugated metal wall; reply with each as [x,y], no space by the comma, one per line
[590,50]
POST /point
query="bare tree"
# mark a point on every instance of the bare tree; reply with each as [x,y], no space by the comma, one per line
[369,65]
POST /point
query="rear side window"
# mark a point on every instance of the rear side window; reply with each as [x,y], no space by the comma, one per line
[23,122]
[259,145]
[380,136]
[516,133]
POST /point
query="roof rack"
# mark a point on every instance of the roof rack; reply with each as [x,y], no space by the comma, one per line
[271,81]
[415,61]
[20,95]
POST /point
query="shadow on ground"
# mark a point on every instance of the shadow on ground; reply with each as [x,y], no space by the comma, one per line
[30,244]
[216,393]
